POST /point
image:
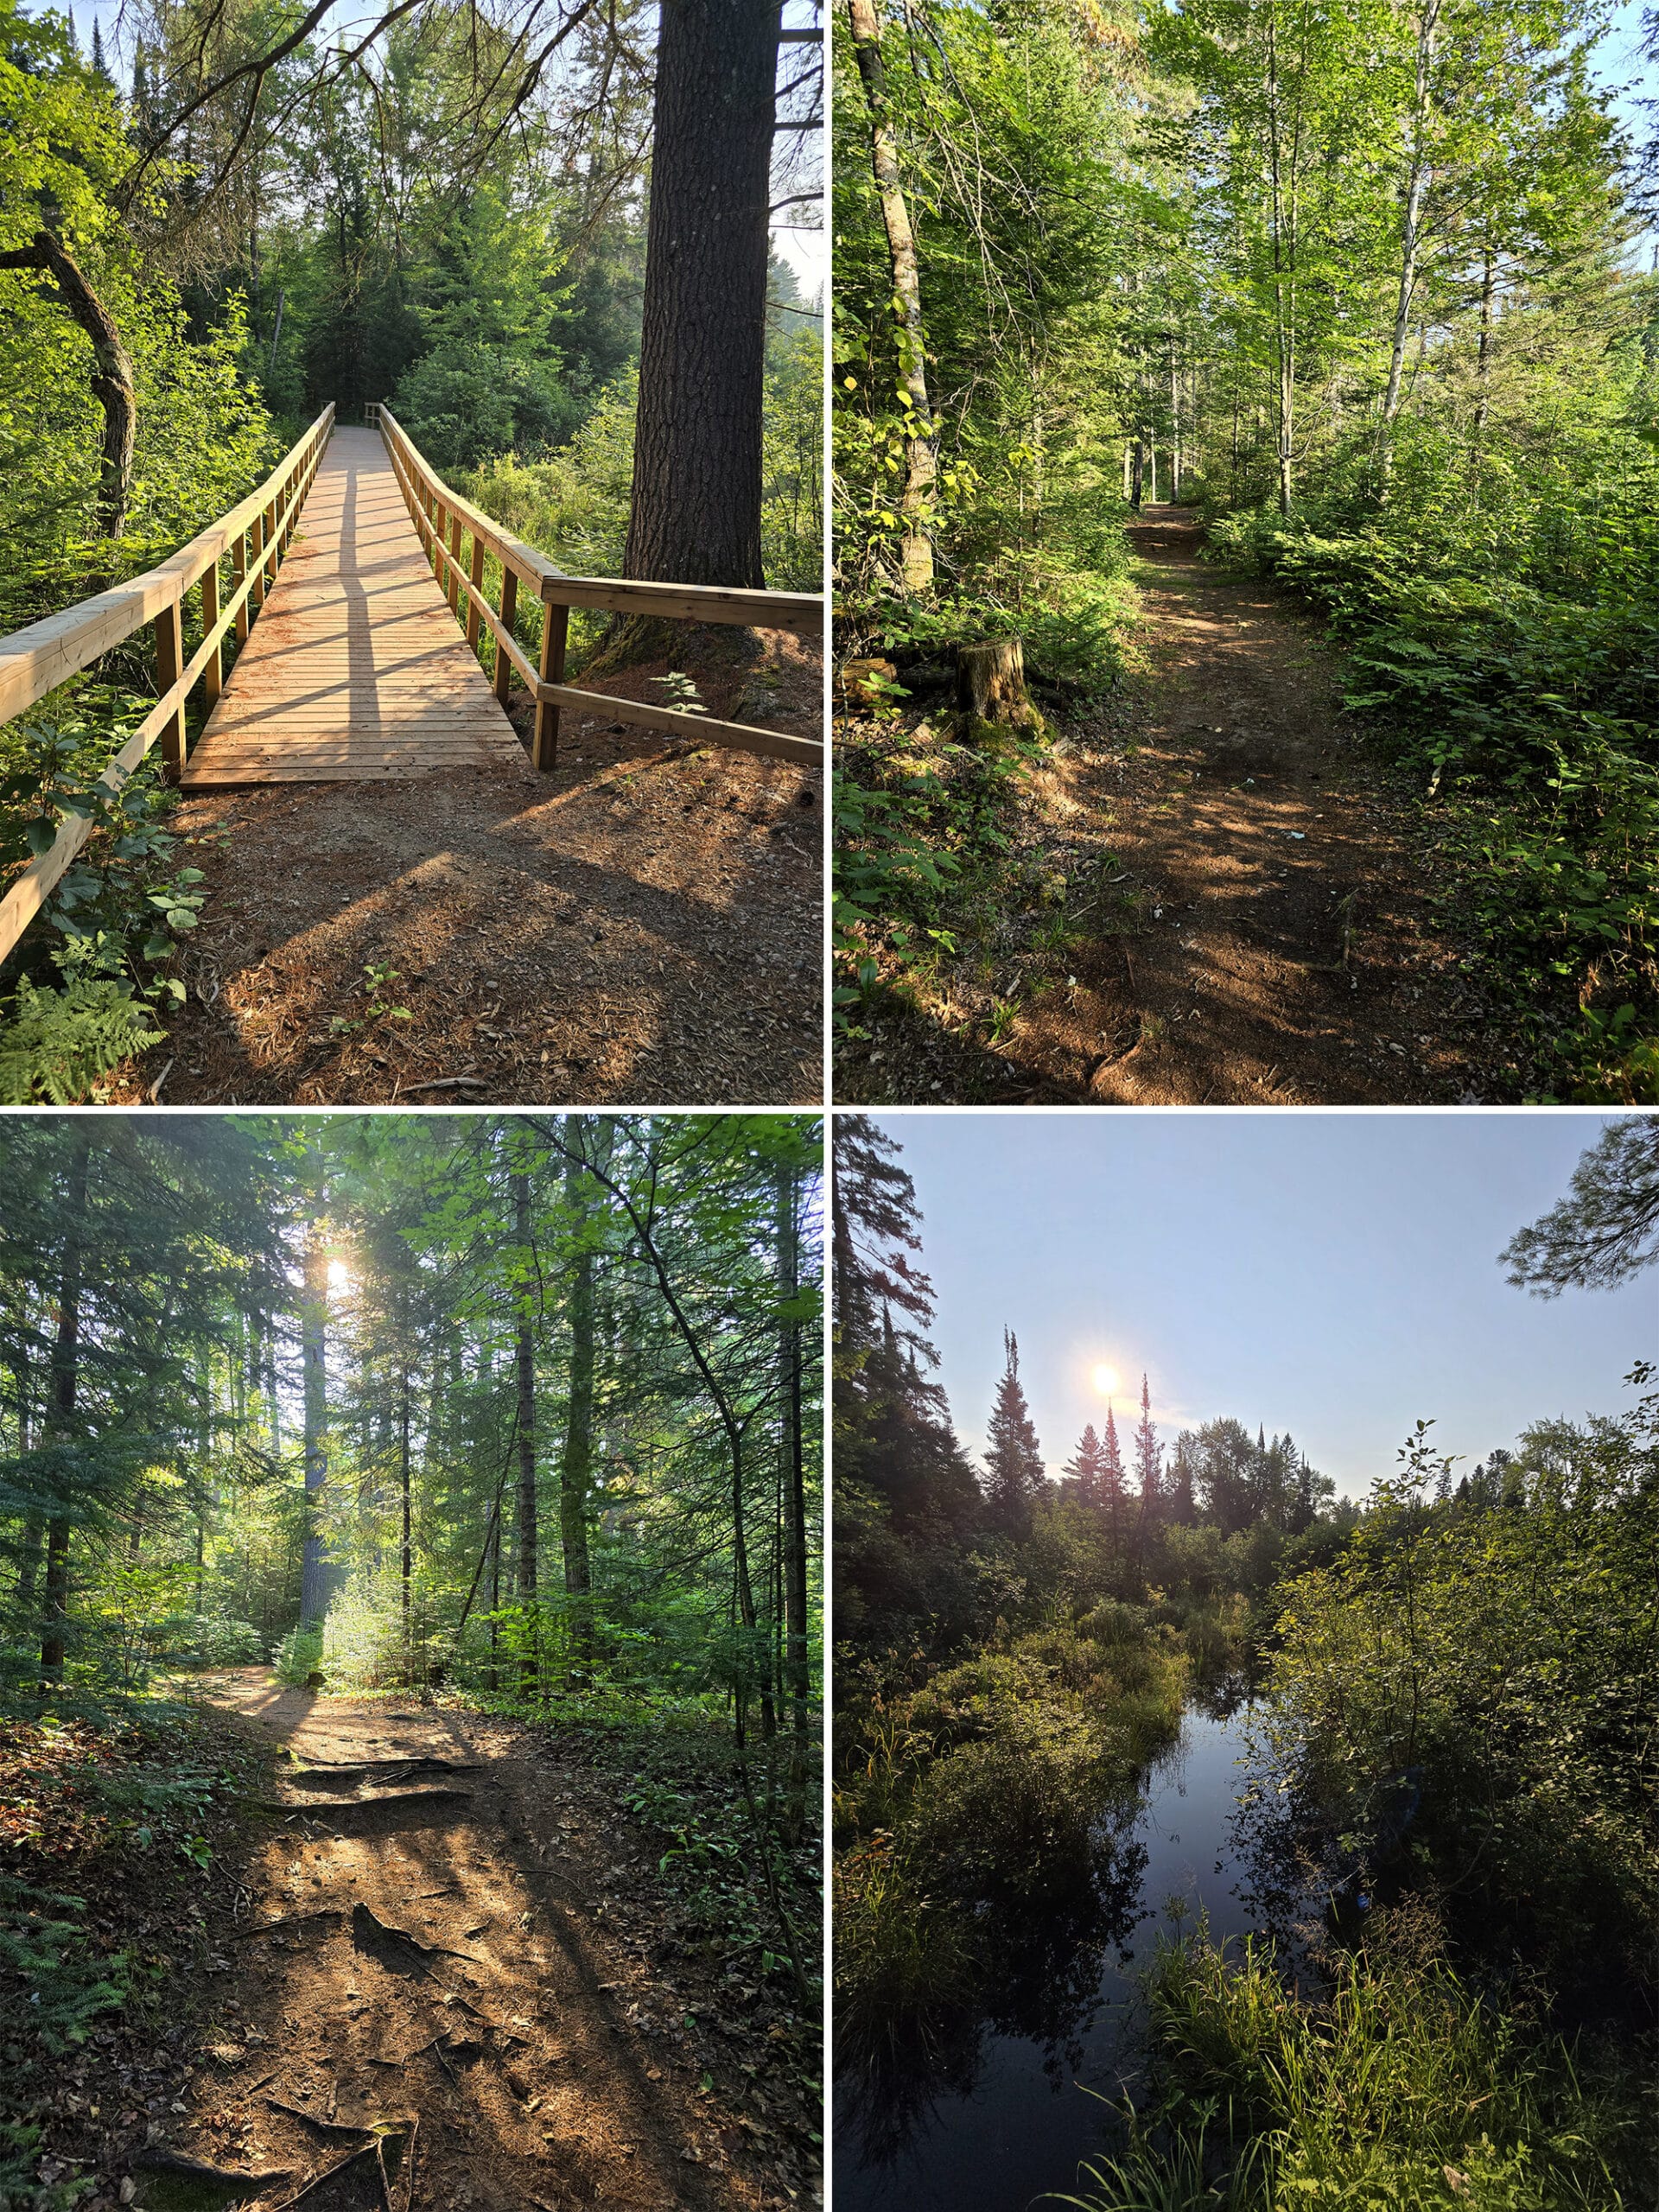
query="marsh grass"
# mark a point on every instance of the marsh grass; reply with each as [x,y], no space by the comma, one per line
[1396,2086]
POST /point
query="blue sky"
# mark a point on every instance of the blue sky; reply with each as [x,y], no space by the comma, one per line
[1332,1274]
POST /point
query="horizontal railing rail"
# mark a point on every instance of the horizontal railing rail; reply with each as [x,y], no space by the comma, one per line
[443,519]
[33,662]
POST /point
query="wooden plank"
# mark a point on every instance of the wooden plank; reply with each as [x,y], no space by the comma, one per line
[693,729]
[356,666]
[545,749]
[763,610]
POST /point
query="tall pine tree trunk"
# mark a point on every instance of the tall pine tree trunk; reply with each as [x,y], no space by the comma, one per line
[313,1355]
[406,1560]
[65,1378]
[921,432]
[526,1436]
[695,511]
[575,1471]
[792,1473]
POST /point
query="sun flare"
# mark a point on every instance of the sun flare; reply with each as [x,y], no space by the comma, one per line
[1106,1379]
[340,1275]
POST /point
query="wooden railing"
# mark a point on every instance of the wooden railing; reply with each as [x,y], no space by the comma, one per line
[255,535]
[447,524]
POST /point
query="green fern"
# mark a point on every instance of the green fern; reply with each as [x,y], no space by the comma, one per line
[57,1044]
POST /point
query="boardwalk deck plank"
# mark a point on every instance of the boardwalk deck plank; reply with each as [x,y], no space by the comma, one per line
[356,667]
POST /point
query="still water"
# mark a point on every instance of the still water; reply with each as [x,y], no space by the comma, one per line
[1026,2122]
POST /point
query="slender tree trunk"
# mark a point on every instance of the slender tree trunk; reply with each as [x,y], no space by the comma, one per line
[65,1378]
[1483,354]
[575,1471]
[921,431]
[1174,429]
[695,511]
[792,1473]
[407,1560]
[1417,182]
[526,1365]
[313,1355]
[112,381]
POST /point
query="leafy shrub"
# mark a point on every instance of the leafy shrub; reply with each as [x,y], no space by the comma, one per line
[464,403]
[298,1655]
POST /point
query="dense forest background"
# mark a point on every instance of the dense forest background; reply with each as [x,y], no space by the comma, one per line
[1450,1799]
[450,216]
[525,1407]
[1369,286]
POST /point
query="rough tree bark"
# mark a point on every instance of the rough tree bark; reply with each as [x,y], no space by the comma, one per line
[113,385]
[576,1467]
[66,1376]
[525,1350]
[314,1323]
[797,1674]
[921,442]
[991,683]
[695,511]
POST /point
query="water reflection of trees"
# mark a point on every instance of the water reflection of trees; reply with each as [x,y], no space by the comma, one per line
[1043,1959]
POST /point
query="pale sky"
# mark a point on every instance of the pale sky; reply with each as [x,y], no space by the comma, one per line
[1331,1274]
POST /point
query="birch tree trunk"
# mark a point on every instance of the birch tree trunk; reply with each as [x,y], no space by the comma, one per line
[1418,177]
[921,437]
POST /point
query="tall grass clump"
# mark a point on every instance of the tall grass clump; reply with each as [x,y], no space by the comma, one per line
[1396,2086]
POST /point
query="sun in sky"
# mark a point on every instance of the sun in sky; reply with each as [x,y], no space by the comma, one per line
[340,1275]
[1106,1379]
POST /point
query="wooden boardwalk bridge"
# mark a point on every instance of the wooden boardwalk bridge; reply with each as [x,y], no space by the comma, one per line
[352,658]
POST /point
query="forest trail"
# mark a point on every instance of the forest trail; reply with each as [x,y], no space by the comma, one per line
[356,667]
[641,924]
[549,2062]
[1282,952]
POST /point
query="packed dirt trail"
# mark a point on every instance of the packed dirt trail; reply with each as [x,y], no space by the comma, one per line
[1283,955]
[546,2061]
[1277,945]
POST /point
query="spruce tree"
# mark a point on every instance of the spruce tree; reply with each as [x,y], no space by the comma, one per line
[1148,1457]
[100,67]
[1087,1467]
[1013,1462]
[1112,1477]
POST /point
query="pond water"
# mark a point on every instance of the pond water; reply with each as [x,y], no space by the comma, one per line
[1026,2122]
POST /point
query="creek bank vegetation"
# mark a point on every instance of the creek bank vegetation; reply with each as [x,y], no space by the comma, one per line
[1447,1811]
[207,236]
[512,1428]
[1359,286]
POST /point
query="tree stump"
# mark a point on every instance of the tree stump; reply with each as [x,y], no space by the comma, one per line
[991,684]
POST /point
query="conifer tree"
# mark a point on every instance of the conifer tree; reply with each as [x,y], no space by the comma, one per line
[1148,1457]
[1013,1463]
[1087,1467]
[1112,1477]
[99,66]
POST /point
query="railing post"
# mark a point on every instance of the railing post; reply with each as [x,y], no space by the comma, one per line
[256,545]
[556,627]
[267,540]
[454,571]
[169,660]
[213,675]
[440,525]
[509,608]
[476,574]
[238,572]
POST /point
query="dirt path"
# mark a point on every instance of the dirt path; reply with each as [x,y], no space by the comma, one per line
[643,925]
[1266,890]
[549,2061]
